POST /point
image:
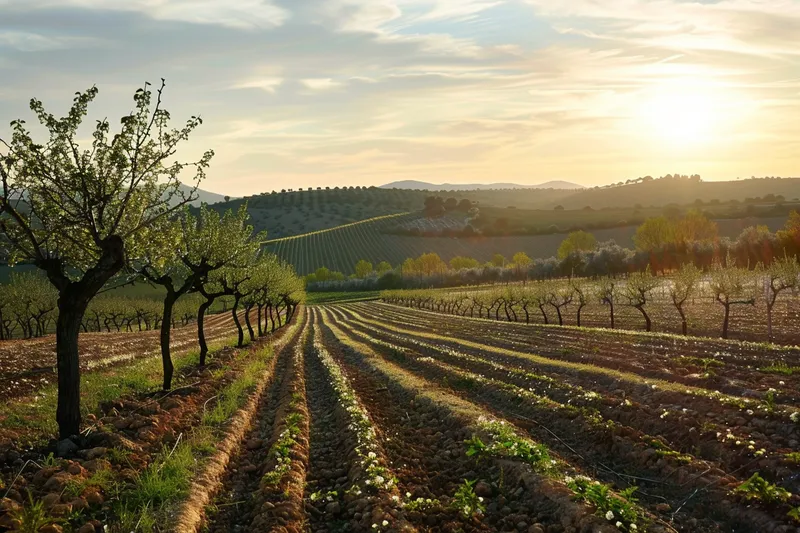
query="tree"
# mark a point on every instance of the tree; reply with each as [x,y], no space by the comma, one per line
[77,214]
[696,227]
[637,291]
[577,241]
[464,205]
[498,260]
[461,262]
[683,285]
[180,255]
[451,204]
[363,269]
[730,286]
[383,267]
[521,261]
[781,275]
[583,292]
[561,296]
[654,233]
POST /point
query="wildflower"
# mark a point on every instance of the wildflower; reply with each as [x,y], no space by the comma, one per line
[610,515]
[618,524]
[633,527]
[385,523]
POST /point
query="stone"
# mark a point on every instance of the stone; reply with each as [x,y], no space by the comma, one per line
[254,444]
[52,499]
[96,453]
[51,528]
[333,508]
[483,489]
[87,528]
[7,504]
[94,498]
[663,507]
[79,504]
[66,448]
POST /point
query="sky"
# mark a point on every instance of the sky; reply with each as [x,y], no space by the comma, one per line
[308,93]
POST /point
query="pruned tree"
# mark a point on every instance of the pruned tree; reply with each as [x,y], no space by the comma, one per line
[608,291]
[781,275]
[583,292]
[637,291]
[731,285]
[684,284]
[78,213]
[561,295]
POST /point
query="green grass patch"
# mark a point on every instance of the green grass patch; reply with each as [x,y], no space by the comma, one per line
[147,505]
[317,298]
[780,368]
[37,414]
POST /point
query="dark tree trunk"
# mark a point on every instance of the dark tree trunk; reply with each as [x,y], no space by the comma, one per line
[236,320]
[260,329]
[68,412]
[166,356]
[684,324]
[247,310]
[647,321]
[558,313]
[201,334]
[271,318]
[580,308]
[544,314]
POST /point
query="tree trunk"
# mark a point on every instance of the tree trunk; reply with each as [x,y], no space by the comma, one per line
[544,314]
[684,325]
[68,411]
[611,306]
[247,322]
[271,318]
[580,308]
[201,334]
[648,323]
[235,314]
[770,305]
[726,320]
[260,329]
[558,313]
[166,357]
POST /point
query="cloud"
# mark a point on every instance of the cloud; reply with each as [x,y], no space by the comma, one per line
[234,13]
[269,85]
[320,84]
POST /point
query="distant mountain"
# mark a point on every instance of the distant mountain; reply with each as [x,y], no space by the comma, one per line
[425,186]
[205,196]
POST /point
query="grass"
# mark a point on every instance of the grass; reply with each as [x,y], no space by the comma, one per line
[146,506]
[38,414]
[780,368]
[316,298]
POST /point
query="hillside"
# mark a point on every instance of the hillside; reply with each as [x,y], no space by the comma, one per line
[204,196]
[340,248]
[434,187]
[661,192]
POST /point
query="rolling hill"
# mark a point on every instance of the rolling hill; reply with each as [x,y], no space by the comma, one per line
[425,186]
[340,248]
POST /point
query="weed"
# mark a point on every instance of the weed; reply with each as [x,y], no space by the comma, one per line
[50,461]
[32,517]
[506,443]
[618,509]
[780,368]
[794,514]
[793,457]
[466,502]
[758,488]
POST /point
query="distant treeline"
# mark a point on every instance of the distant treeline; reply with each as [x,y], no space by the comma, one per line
[662,246]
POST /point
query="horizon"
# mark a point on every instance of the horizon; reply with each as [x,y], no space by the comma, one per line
[356,93]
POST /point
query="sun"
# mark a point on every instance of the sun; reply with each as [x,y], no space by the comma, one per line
[681,116]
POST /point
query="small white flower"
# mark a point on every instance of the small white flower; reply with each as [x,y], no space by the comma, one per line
[610,515]
[633,527]
[618,524]
[385,523]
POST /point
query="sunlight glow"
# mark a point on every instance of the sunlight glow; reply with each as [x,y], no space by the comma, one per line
[682,115]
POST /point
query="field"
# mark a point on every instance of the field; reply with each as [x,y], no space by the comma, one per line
[341,248]
[366,416]
[295,212]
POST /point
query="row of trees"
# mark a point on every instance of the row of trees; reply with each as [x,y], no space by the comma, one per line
[579,255]
[116,210]
[726,283]
[29,308]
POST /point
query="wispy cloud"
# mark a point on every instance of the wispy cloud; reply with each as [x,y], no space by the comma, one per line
[335,92]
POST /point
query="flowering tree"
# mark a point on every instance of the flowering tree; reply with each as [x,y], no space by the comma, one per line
[78,213]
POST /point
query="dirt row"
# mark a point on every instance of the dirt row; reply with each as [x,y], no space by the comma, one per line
[89,483]
[614,448]
[427,449]
[726,367]
[27,365]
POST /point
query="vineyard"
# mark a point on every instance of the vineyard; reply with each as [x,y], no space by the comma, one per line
[374,417]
